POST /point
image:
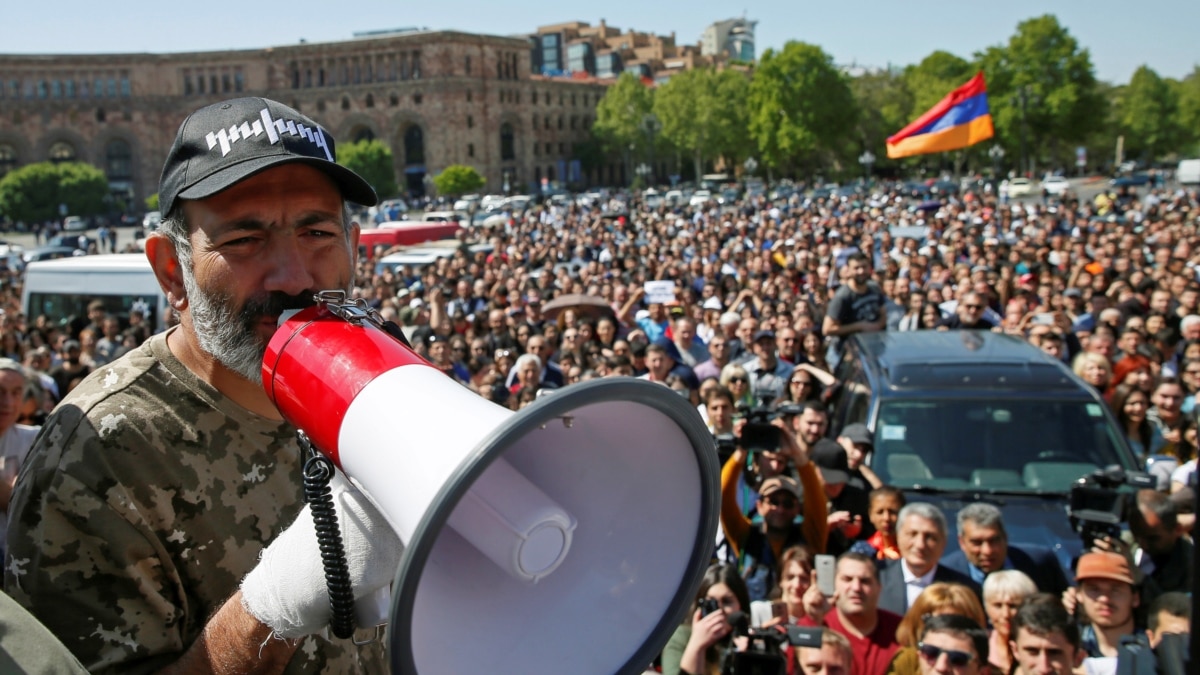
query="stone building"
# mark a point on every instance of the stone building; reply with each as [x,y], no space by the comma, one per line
[437,98]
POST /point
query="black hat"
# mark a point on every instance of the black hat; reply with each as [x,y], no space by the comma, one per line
[858,434]
[830,458]
[764,335]
[228,142]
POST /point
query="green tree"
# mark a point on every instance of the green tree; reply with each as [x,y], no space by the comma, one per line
[731,117]
[1147,115]
[457,180]
[620,118]
[35,192]
[152,202]
[1044,78]
[885,103]
[373,161]
[935,76]
[1187,113]
[685,107]
[801,108]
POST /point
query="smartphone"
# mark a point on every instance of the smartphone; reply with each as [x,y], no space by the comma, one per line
[825,569]
[779,610]
[1044,319]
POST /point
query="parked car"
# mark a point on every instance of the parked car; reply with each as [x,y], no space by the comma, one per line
[74,224]
[406,232]
[963,416]
[1132,180]
[79,241]
[1019,187]
[50,253]
[700,198]
[1055,186]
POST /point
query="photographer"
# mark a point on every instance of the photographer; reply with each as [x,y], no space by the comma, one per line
[758,547]
[697,645]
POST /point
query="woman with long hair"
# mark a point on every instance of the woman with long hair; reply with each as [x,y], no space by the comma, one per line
[938,598]
[1129,404]
[698,643]
[737,380]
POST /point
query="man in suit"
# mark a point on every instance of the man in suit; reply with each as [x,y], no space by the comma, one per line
[921,536]
[984,548]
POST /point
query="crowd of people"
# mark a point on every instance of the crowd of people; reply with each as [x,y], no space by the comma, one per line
[731,306]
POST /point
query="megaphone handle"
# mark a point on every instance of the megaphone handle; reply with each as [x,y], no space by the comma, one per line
[318,471]
[372,609]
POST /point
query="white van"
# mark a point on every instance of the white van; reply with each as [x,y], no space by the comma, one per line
[62,289]
[1188,172]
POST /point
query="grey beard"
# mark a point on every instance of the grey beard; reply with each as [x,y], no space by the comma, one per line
[222,332]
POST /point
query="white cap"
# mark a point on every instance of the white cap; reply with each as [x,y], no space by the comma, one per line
[713,303]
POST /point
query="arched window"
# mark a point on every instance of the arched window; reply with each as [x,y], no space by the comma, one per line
[362,134]
[507,149]
[62,151]
[8,158]
[414,145]
[118,160]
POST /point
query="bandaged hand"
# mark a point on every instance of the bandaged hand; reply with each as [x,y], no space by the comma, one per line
[287,590]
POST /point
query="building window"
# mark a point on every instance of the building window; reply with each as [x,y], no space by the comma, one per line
[55,89]
[393,100]
[187,84]
[404,66]
[239,81]
[118,160]
[573,120]
[536,148]
[507,149]
[416,65]
[414,146]
[467,64]
[416,99]
[62,151]
[470,122]
[212,85]
[560,122]
[470,149]
[345,103]
[534,124]
[547,99]
[468,96]
[8,158]
[562,148]
[41,89]
[370,100]
[548,152]
[226,83]
[362,134]
[101,115]
[321,105]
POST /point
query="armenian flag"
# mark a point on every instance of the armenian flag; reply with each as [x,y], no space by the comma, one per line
[960,120]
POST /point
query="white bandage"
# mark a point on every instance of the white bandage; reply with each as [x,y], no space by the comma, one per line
[287,590]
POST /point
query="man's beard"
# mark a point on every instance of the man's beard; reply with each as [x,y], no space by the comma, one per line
[230,334]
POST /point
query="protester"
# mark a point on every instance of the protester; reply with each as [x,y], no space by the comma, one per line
[857,616]
[143,517]
[921,537]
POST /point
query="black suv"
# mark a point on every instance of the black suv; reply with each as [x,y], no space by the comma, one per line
[965,416]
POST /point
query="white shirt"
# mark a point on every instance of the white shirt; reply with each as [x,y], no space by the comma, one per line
[14,446]
[914,585]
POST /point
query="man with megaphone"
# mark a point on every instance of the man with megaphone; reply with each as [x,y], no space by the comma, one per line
[138,528]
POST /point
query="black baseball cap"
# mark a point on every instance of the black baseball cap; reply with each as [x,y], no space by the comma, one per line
[227,142]
[830,458]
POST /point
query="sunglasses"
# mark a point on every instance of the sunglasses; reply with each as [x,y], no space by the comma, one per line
[784,501]
[739,379]
[956,658]
[975,308]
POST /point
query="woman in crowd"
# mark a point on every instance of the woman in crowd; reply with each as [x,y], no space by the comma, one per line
[737,379]
[797,595]
[1094,369]
[1134,370]
[698,643]
[807,383]
[1129,404]
[814,350]
[1003,593]
[937,599]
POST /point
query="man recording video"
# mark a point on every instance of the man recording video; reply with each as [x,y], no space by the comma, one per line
[780,500]
[138,526]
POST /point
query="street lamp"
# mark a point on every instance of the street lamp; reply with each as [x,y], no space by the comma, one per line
[644,170]
[867,159]
[996,152]
[651,126]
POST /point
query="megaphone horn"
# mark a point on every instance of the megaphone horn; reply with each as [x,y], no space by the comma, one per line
[574,531]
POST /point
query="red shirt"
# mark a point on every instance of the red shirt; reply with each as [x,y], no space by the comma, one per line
[872,653]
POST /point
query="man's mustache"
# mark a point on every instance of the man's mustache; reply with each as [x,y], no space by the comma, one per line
[274,303]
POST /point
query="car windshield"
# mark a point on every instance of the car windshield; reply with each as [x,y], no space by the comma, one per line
[994,444]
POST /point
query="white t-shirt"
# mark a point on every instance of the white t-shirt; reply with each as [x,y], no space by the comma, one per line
[14,447]
[1184,473]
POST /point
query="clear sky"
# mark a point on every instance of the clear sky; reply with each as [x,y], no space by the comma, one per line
[1121,36]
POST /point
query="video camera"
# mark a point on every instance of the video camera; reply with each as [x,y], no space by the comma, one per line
[765,653]
[759,434]
[1098,506]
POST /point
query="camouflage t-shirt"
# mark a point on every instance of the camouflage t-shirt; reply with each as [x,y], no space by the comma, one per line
[146,499]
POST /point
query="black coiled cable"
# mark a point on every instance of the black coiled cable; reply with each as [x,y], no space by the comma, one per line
[318,471]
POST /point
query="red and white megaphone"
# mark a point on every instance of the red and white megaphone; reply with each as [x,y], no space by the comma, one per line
[571,535]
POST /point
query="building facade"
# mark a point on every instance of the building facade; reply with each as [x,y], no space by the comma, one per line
[730,39]
[436,98]
[576,49]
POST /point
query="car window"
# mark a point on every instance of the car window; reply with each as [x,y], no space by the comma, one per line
[990,444]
